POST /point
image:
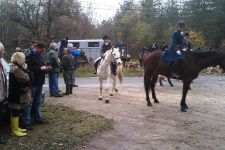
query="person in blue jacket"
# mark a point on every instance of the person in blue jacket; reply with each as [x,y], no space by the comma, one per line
[175,53]
[75,52]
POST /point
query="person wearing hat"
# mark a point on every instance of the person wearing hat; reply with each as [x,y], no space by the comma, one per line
[107,45]
[18,49]
[68,68]
[175,54]
[187,44]
[52,60]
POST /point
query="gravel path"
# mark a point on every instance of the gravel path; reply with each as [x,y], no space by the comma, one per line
[160,127]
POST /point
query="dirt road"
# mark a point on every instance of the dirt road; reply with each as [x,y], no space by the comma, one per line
[162,126]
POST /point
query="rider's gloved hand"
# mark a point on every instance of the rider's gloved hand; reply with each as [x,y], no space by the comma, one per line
[178,52]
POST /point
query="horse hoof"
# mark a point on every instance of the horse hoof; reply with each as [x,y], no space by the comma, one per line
[100,98]
[161,85]
[171,85]
[106,101]
[111,94]
[183,109]
[116,90]
[156,101]
[149,104]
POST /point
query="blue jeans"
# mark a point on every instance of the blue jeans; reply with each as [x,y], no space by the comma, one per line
[53,82]
[34,104]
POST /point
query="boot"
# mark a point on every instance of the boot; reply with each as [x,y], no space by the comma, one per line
[15,127]
[71,89]
[113,68]
[67,90]
[177,69]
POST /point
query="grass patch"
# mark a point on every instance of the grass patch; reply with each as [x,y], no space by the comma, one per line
[68,129]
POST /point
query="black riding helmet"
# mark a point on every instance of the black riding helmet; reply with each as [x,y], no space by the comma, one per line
[181,24]
[105,37]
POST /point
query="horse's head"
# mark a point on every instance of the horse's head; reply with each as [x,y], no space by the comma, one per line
[116,56]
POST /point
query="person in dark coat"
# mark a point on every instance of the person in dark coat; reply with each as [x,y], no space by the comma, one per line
[19,91]
[3,90]
[63,46]
[186,43]
[107,45]
[163,46]
[76,52]
[175,53]
[121,45]
[68,68]
[36,65]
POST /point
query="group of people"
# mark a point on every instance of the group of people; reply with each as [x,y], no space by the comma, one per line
[163,46]
[174,54]
[23,91]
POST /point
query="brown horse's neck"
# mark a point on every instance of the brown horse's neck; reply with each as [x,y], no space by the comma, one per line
[208,58]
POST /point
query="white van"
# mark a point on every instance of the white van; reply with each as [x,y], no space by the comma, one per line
[91,47]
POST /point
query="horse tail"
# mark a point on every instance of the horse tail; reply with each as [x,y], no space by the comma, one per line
[120,73]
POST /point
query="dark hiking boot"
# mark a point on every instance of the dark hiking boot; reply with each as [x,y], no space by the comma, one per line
[67,90]
[58,95]
[70,89]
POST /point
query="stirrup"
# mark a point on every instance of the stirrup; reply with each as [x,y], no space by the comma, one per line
[175,76]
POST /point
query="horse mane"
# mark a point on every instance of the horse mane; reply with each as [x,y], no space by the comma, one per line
[203,54]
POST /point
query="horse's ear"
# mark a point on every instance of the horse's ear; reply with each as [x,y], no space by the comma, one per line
[112,48]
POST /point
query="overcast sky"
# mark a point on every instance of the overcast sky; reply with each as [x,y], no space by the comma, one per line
[102,9]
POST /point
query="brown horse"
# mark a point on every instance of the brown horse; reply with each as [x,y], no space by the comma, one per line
[193,63]
[140,59]
[124,57]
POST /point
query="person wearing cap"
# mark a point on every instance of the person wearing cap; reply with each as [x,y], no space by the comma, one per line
[67,64]
[107,45]
[175,54]
[186,44]
[18,49]
[52,60]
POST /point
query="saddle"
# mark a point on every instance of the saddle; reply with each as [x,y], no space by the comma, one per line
[174,67]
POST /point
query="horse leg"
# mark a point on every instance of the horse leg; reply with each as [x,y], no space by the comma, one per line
[160,82]
[100,96]
[147,88]
[171,84]
[186,86]
[114,85]
[107,91]
[124,64]
[153,82]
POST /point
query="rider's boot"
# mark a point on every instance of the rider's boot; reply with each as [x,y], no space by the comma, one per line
[113,68]
[96,66]
[176,69]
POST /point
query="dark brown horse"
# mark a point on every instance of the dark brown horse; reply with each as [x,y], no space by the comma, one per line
[140,59]
[193,63]
[124,57]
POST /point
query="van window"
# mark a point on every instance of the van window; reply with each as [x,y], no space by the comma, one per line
[93,44]
[76,44]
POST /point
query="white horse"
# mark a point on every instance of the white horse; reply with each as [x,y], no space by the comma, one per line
[104,71]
